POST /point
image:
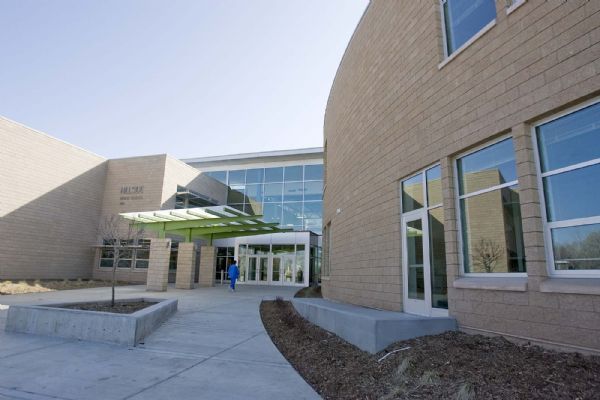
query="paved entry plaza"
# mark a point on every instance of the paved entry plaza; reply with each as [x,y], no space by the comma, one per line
[214,347]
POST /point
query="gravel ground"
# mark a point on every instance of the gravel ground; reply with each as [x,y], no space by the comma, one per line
[452,365]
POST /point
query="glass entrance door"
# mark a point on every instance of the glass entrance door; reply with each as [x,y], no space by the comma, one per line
[424,267]
[263,269]
[415,273]
[276,270]
[258,268]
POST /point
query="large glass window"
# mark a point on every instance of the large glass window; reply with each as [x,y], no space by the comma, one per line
[569,161]
[267,191]
[313,172]
[490,212]
[412,193]
[463,19]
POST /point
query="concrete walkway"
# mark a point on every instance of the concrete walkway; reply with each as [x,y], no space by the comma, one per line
[215,347]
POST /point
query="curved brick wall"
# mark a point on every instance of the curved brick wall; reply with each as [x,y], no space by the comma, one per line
[394,110]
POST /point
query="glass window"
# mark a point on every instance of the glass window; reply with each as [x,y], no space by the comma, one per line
[259,249]
[221,176]
[106,257]
[313,190]
[255,175]
[274,174]
[293,173]
[576,247]
[237,177]
[492,166]
[253,208]
[236,194]
[313,216]
[254,193]
[292,215]
[300,264]
[569,140]
[125,258]
[273,192]
[292,191]
[412,193]
[437,259]
[434,186]
[464,18]
[313,172]
[272,212]
[491,232]
[414,248]
[142,257]
[569,155]
[573,194]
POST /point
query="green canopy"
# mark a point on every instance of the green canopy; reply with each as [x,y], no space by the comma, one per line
[208,223]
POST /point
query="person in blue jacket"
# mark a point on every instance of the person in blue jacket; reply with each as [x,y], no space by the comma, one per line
[234,273]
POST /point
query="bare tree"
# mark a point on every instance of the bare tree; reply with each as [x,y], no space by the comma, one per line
[486,254]
[119,238]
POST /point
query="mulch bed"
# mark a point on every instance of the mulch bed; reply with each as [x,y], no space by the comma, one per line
[310,291]
[120,307]
[452,365]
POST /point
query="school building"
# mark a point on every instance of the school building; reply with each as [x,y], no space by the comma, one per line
[56,196]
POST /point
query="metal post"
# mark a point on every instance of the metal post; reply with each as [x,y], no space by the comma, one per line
[222,273]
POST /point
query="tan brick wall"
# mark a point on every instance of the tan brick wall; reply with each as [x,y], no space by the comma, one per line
[208,255]
[186,262]
[393,112]
[50,201]
[158,268]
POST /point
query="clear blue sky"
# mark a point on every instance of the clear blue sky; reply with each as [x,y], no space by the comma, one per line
[189,78]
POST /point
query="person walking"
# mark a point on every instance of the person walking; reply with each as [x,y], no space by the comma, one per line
[234,273]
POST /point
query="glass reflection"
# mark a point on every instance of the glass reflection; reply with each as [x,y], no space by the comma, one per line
[292,191]
[293,173]
[577,247]
[313,172]
[237,177]
[412,193]
[434,186]
[573,194]
[292,215]
[492,233]
[255,175]
[274,174]
[571,139]
[273,192]
[414,248]
[299,263]
[464,18]
[313,190]
[437,259]
[491,166]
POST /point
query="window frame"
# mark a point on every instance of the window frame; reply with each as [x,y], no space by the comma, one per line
[547,225]
[461,48]
[458,197]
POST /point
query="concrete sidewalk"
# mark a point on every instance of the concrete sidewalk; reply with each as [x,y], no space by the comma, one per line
[215,347]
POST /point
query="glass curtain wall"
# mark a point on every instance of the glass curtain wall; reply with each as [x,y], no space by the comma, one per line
[289,195]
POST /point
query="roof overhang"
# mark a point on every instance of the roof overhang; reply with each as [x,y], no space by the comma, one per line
[208,223]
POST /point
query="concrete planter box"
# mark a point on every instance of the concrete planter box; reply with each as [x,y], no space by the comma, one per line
[96,326]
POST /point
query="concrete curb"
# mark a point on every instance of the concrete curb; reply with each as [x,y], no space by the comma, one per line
[95,326]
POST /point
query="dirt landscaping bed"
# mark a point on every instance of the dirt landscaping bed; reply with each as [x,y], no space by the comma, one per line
[8,287]
[121,307]
[452,365]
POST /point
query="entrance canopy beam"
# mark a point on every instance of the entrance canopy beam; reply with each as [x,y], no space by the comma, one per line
[205,222]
